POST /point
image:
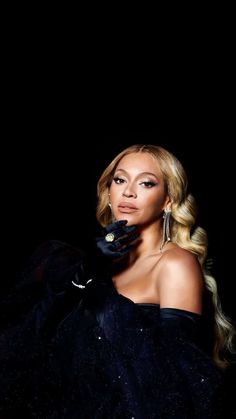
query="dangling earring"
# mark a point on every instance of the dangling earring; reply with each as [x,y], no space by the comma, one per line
[112,216]
[109,204]
[166,229]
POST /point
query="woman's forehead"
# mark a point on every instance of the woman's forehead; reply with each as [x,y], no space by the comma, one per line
[142,162]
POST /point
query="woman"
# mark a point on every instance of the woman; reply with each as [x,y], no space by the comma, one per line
[133,330]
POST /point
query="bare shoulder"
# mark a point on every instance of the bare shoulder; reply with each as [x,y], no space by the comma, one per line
[180,280]
[181,261]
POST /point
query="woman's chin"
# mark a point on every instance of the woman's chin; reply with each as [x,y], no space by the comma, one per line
[130,220]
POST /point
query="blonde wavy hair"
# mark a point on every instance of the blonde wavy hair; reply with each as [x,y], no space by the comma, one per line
[183,232]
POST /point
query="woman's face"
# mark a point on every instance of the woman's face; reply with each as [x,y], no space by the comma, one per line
[137,191]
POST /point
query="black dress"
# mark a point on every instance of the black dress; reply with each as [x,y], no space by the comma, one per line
[90,353]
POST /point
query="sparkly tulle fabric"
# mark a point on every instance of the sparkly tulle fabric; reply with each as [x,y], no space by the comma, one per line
[90,353]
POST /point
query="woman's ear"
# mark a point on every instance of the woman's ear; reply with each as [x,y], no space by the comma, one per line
[168,203]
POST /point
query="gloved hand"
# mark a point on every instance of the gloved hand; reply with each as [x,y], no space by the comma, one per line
[116,240]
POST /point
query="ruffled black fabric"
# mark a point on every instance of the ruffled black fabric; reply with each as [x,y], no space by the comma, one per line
[89,353]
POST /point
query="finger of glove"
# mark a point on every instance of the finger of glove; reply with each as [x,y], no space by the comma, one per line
[110,251]
[99,240]
[107,249]
[116,225]
[123,231]
[128,229]
[126,240]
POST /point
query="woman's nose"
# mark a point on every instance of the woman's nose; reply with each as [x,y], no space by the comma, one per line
[129,192]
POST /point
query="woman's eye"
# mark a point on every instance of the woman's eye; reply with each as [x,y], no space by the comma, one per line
[148,184]
[118,180]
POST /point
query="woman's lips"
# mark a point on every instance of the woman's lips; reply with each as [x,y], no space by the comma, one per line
[126,207]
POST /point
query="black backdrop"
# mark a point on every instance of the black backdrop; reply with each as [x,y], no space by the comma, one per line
[52,172]
[62,93]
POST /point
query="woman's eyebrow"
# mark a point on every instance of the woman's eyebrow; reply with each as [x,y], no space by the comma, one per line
[140,174]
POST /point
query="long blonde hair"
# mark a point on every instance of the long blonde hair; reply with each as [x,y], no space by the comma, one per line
[183,231]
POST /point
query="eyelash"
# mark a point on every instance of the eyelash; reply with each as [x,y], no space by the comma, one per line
[148,184]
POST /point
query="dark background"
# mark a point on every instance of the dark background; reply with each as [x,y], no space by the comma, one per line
[66,87]
[69,106]
[53,169]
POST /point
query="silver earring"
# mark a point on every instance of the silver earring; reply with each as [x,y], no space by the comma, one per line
[112,216]
[109,204]
[166,229]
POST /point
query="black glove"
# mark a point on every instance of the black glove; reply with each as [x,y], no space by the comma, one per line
[116,240]
[103,252]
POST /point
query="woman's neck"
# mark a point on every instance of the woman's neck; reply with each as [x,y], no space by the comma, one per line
[148,243]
